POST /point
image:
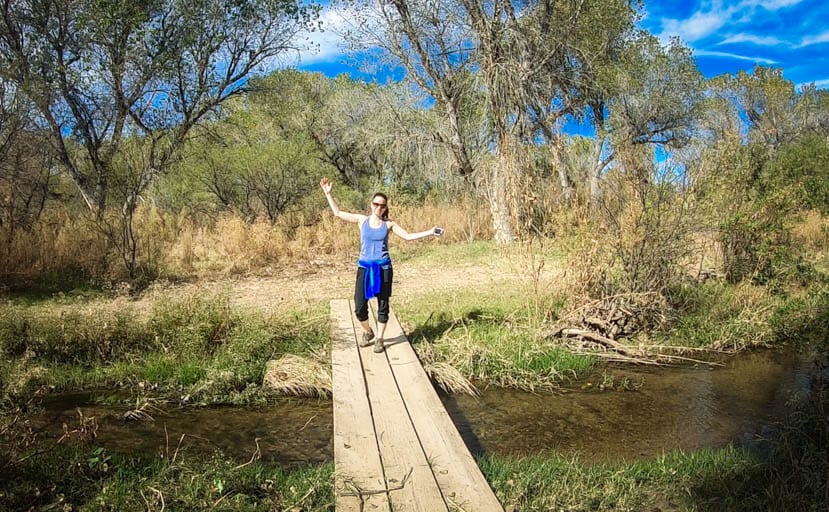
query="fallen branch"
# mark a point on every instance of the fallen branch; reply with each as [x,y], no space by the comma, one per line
[584,333]
[359,493]
[253,458]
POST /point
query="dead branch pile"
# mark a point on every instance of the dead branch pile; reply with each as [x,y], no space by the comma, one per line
[598,326]
[617,316]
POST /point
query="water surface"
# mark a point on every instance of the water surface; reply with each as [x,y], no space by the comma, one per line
[671,409]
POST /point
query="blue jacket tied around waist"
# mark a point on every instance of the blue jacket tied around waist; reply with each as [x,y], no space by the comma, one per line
[373,281]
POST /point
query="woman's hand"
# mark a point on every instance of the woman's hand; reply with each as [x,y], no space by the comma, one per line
[326,185]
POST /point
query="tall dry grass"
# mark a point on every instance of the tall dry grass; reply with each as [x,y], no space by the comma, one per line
[60,242]
[812,232]
[185,245]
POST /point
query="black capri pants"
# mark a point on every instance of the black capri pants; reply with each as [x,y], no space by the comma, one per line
[360,302]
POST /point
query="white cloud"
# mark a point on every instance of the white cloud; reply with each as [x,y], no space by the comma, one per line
[327,44]
[698,26]
[820,38]
[820,84]
[714,15]
[759,60]
[770,5]
[758,40]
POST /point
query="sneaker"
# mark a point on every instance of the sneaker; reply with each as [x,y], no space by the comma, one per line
[367,338]
[378,345]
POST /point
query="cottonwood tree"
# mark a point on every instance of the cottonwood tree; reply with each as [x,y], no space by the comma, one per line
[567,56]
[771,108]
[245,164]
[103,71]
[434,43]
[371,135]
[652,96]
[333,113]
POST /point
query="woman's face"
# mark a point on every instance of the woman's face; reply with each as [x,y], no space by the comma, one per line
[378,206]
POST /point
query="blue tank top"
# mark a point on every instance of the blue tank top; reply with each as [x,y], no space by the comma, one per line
[374,242]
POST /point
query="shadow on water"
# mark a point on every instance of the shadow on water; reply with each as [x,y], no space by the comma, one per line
[673,409]
[292,432]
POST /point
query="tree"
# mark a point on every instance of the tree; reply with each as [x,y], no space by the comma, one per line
[568,59]
[652,96]
[25,166]
[102,71]
[434,43]
[371,135]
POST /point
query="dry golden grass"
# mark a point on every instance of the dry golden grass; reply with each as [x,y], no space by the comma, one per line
[232,246]
[185,245]
[812,232]
[60,242]
[293,375]
[750,326]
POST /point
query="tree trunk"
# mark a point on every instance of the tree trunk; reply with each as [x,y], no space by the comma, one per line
[595,177]
[499,205]
[566,184]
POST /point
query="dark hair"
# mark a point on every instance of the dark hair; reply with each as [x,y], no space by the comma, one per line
[386,209]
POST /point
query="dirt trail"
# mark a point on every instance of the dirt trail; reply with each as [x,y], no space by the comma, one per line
[321,281]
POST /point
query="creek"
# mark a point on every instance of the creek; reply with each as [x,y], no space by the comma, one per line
[619,413]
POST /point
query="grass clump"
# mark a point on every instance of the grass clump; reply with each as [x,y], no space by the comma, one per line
[80,335]
[197,346]
[721,316]
[89,478]
[487,336]
[804,318]
[674,482]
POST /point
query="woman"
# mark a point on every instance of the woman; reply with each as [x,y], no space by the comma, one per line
[374,269]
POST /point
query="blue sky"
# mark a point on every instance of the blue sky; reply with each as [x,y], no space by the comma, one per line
[732,35]
[726,35]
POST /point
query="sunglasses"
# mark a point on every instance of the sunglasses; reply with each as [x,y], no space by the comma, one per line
[383,205]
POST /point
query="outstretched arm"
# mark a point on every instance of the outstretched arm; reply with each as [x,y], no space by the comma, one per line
[405,235]
[326,185]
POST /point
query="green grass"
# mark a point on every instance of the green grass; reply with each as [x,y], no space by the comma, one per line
[489,336]
[88,478]
[198,346]
[722,315]
[712,480]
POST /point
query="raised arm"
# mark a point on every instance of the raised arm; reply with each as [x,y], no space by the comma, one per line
[326,185]
[405,235]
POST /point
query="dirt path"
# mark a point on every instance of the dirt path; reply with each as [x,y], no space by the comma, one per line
[320,281]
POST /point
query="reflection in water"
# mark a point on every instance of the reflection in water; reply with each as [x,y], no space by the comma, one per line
[675,409]
[687,409]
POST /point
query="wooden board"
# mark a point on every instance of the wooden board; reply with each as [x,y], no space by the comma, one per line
[460,479]
[411,484]
[358,469]
[395,446]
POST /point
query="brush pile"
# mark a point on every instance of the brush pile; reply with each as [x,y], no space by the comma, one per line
[617,316]
[598,326]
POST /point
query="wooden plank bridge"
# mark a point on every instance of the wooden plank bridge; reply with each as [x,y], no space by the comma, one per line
[395,446]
